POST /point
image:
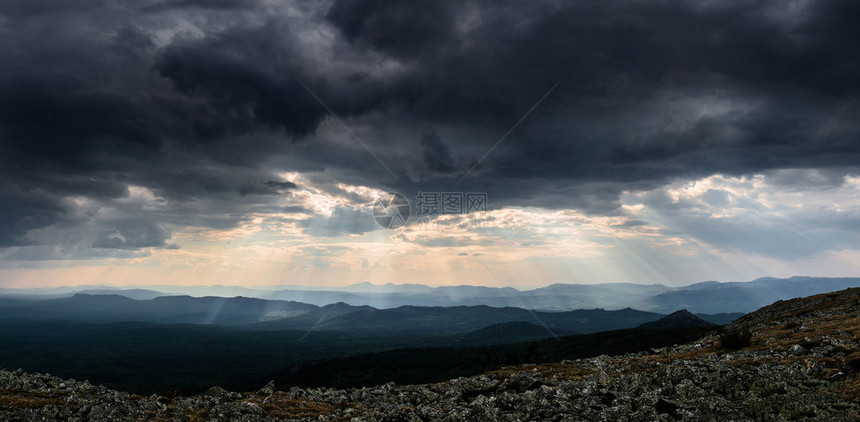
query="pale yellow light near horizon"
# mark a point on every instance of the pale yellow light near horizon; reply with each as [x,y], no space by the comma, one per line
[512,246]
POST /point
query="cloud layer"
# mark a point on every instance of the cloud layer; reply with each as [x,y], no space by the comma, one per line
[126,126]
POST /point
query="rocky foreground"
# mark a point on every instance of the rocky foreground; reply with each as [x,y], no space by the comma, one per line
[793,360]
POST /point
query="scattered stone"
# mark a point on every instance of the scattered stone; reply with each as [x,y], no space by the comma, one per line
[267,389]
[664,406]
[217,392]
[798,350]
[603,377]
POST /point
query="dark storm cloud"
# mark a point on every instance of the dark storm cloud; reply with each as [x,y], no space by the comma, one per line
[83,113]
[22,8]
[230,74]
[134,235]
[394,27]
[194,99]
[199,4]
[438,156]
[807,179]
[22,211]
[621,63]
[269,188]
[258,78]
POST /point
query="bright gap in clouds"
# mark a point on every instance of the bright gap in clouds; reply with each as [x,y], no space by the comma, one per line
[719,227]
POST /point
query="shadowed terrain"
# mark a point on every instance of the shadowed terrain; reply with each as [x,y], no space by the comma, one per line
[798,361]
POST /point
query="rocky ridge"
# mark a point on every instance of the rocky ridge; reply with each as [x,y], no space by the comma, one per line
[796,359]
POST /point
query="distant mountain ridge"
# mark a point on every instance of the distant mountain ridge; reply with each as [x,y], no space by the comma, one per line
[710,297]
[262,314]
[677,319]
[460,319]
[164,309]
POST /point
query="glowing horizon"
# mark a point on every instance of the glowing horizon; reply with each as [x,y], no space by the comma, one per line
[512,246]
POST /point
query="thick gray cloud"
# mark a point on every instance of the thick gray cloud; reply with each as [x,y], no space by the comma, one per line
[24,210]
[269,188]
[205,102]
[134,236]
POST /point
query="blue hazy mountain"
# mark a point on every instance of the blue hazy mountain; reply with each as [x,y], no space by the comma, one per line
[136,294]
[707,297]
[714,297]
[165,309]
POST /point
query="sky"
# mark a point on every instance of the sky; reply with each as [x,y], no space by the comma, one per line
[257,142]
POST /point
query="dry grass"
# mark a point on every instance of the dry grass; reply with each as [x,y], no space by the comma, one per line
[572,371]
[549,370]
[823,302]
[197,416]
[844,326]
[851,389]
[508,371]
[688,355]
[25,400]
[809,326]
[186,415]
[280,405]
[565,371]
[749,361]
[647,362]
